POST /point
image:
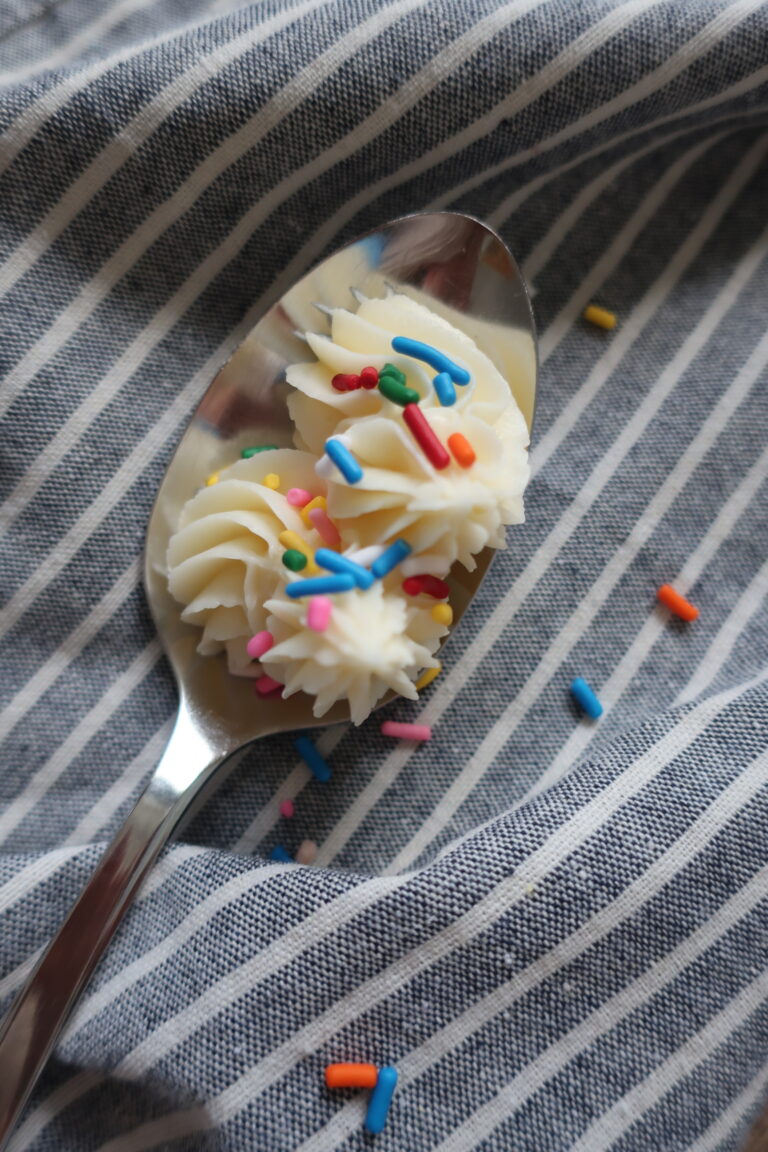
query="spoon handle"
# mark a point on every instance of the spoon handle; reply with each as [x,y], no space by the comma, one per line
[41,1008]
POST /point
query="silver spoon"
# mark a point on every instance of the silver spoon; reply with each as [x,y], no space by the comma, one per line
[461,269]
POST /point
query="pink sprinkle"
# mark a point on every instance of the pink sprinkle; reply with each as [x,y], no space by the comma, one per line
[287,809]
[406,731]
[325,527]
[265,684]
[298,497]
[319,613]
[259,644]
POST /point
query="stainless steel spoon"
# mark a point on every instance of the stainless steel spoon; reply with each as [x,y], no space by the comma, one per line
[460,268]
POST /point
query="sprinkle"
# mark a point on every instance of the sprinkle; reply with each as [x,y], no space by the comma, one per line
[307,852]
[344,461]
[312,758]
[600,316]
[406,731]
[446,393]
[298,497]
[397,392]
[335,563]
[390,559]
[463,452]
[369,378]
[677,603]
[287,809]
[259,644]
[585,698]
[381,1098]
[443,614]
[212,479]
[437,360]
[351,1075]
[294,559]
[292,540]
[308,509]
[325,527]
[430,585]
[320,585]
[393,372]
[248,452]
[271,480]
[427,676]
[265,685]
[281,855]
[346,382]
[425,437]
[319,612]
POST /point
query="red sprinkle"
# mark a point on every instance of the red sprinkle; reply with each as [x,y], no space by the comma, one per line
[431,585]
[425,436]
[369,378]
[345,382]
[265,686]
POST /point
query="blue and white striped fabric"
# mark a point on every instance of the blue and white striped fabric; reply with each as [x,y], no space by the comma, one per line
[556,930]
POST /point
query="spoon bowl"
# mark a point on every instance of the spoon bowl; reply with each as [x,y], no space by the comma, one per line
[460,269]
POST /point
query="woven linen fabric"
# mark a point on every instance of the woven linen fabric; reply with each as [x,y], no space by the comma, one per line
[556,930]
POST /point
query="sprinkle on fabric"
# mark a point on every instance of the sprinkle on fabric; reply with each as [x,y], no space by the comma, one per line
[320,586]
[281,855]
[265,685]
[425,437]
[429,585]
[381,1098]
[271,480]
[287,809]
[677,603]
[461,450]
[259,644]
[319,612]
[325,527]
[344,461]
[298,497]
[396,392]
[600,316]
[308,509]
[317,765]
[351,1075]
[586,698]
[369,378]
[333,562]
[390,559]
[295,560]
[427,676]
[406,731]
[346,382]
[432,356]
[293,542]
[212,479]
[442,614]
[307,852]
[446,393]
[247,453]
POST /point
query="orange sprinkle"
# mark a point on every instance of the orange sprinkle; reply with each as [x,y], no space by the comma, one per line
[463,452]
[677,603]
[351,1075]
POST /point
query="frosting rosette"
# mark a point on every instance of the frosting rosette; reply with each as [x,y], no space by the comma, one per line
[376,640]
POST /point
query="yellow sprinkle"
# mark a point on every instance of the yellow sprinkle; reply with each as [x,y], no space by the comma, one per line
[212,479]
[271,480]
[318,502]
[427,677]
[600,316]
[443,614]
[290,539]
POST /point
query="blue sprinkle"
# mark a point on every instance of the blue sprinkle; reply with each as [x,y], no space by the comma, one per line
[390,559]
[341,564]
[344,461]
[585,698]
[318,585]
[281,855]
[381,1098]
[437,360]
[312,758]
[446,393]
[373,246]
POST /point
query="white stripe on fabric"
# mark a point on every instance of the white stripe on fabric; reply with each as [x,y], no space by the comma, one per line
[657,623]
[717,654]
[58,1100]
[734,1115]
[87,727]
[564,642]
[561,844]
[487,634]
[34,873]
[607,919]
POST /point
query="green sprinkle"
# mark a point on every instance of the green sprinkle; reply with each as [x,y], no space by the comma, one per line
[390,370]
[397,392]
[248,452]
[294,560]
